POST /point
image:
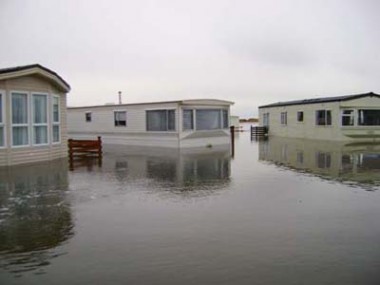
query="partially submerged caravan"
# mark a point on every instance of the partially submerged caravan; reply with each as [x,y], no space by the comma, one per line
[343,118]
[32,115]
[178,124]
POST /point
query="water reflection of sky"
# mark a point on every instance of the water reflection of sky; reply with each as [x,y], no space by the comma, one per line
[355,164]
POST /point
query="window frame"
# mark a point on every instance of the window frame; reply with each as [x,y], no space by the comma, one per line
[326,117]
[27,124]
[168,123]
[284,118]
[2,118]
[53,122]
[33,124]
[88,117]
[360,111]
[192,127]
[300,116]
[114,119]
[222,123]
[350,116]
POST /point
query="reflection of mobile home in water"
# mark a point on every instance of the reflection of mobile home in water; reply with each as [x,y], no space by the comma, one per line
[180,168]
[35,215]
[347,162]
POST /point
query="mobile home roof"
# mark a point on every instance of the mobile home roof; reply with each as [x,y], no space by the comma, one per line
[320,100]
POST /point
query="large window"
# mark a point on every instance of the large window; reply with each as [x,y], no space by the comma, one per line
[160,120]
[20,129]
[40,119]
[211,119]
[284,118]
[2,136]
[120,118]
[56,120]
[188,120]
[323,118]
[347,117]
[369,117]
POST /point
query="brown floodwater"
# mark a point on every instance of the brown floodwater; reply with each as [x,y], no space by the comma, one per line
[280,211]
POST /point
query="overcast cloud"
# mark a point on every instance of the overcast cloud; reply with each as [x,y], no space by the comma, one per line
[250,52]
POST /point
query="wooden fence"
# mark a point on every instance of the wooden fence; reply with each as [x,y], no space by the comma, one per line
[259,132]
[84,149]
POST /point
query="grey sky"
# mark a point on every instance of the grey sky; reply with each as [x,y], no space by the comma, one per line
[250,52]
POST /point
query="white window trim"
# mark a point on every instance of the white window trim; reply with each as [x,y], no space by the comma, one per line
[3,121]
[54,123]
[43,124]
[126,118]
[20,125]
[220,117]
[85,116]
[162,109]
[193,121]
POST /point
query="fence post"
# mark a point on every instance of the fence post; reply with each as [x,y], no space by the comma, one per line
[232,131]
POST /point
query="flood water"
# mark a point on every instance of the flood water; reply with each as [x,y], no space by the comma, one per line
[279,212]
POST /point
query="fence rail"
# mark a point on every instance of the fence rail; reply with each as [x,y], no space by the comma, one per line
[83,149]
[259,132]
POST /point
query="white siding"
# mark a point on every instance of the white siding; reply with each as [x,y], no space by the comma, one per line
[29,154]
[309,129]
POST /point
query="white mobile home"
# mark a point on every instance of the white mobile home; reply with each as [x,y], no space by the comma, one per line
[32,115]
[185,123]
[343,118]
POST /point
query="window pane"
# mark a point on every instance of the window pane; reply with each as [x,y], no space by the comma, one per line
[20,136]
[120,118]
[55,109]
[19,108]
[347,118]
[188,122]
[208,119]
[300,116]
[40,135]
[1,108]
[171,120]
[328,118]
[369,117]
[156,120]
[88,117]
[225,119]
[56,136]
[1,136]
[39,109]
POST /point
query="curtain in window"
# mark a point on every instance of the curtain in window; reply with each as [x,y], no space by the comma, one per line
[171,120]
[39,109]
[40,119]
[55,109]
[56,133]
[208,119]
[225,119]
[20,119]
[40,135]
[20,136]
[156,120]
[1,136]
[188,122]
[1,108]
[19,108]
